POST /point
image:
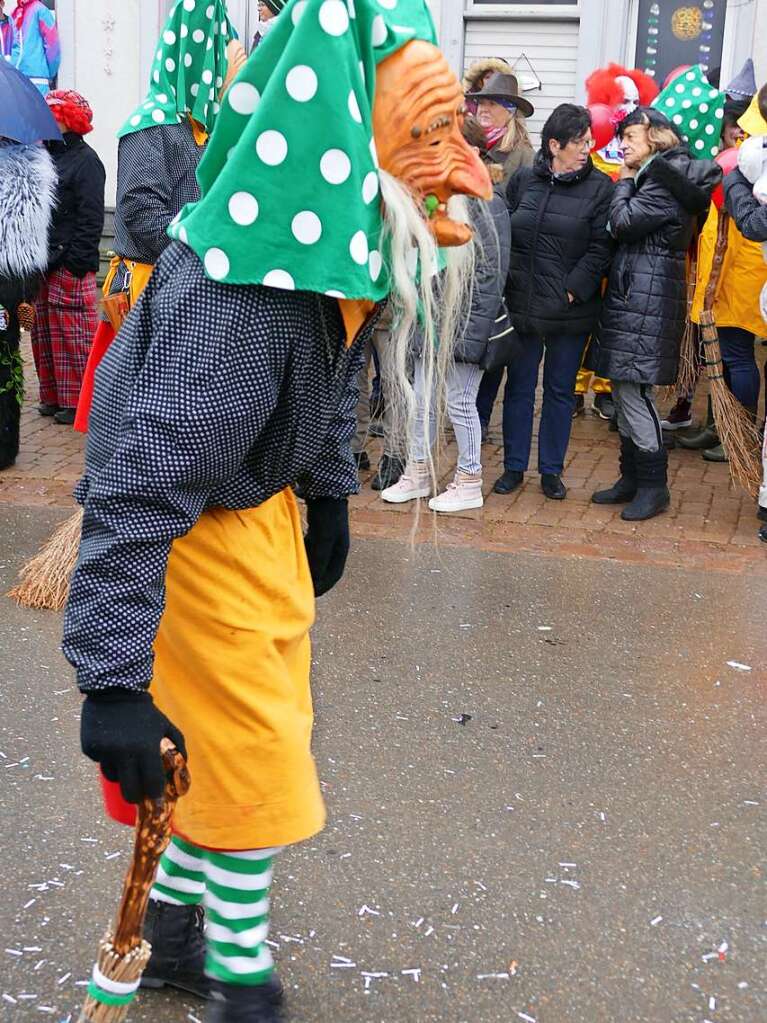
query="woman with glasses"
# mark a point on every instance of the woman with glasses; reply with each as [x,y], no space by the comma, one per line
[560,252]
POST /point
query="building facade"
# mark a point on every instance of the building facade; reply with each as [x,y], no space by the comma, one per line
[108,45]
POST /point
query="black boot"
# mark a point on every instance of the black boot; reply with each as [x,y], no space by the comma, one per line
[626,487]
[705,438]
[652,496]
[233,1003]
[178,948]
[390,468]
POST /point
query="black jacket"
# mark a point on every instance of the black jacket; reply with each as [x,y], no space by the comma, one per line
[748,213]
[559,243]
[78,220]
[653,220]
[491,223]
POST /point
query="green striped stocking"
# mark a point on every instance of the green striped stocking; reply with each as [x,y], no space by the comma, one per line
[237,912]
[234,887]
[180,875]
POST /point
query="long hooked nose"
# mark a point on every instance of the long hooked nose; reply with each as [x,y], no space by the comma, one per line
[470,176]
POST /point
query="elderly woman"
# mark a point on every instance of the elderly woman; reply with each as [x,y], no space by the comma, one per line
[661,194]
[502,111]
[560,252]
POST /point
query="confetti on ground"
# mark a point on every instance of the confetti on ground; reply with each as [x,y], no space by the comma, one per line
[545,628]
[415,974]
[523,1015]
[363,910]
[738,666]
[513,968]
[654,922]
[712,1004]
[492,976]
[193,1019]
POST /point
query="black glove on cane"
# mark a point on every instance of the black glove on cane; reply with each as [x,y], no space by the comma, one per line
[122,730]
[327,541]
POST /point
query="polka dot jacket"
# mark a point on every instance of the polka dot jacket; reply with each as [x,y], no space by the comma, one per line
[212,395]
[156,178]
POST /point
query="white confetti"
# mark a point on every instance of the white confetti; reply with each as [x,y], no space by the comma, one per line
[712,1004]
[9,998]
[738,666]
[655,921]
[415,974]
[523,1015]
[64,979]
[492,976]
[14,952]
[363,910]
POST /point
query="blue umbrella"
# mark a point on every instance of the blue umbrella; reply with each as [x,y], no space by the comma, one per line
[24,115]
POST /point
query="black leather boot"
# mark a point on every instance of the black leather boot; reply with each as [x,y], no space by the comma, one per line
[652,496]
[176,934]
[706,438]
[232,1003]
[626,487]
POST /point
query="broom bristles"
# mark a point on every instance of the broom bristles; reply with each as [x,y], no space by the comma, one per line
[121,969]
[736,429]
[44,581]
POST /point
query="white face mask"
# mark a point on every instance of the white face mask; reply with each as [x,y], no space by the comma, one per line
[266,26]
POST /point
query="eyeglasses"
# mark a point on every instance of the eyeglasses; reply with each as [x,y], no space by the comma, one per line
[582,145]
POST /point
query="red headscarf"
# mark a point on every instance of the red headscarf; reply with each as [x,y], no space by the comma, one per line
[71,110]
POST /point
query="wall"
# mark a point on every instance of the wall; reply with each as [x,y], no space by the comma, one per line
[107,57]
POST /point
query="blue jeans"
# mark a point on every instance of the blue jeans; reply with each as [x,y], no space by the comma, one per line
[740,370]
[563,354]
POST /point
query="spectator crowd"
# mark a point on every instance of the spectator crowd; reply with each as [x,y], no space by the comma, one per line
[593,259]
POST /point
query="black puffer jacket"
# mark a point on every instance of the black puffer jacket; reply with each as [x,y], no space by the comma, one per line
[559,243]
[745,209]
[491,223]
[78,220]
[653,220]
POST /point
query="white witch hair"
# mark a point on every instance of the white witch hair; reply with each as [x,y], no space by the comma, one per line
[436,304]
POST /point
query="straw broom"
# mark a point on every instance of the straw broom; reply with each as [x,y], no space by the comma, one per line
[44,581]
[736,429]
[123,953]
[687,375]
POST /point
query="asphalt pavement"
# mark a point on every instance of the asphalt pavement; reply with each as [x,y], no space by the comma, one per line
[546,789]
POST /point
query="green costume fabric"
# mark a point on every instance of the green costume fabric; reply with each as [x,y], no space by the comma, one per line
[289,182]
[189,67]
[696,110]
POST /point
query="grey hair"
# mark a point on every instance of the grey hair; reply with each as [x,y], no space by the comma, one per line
[422,299]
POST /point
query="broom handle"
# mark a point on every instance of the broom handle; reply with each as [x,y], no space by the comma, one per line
[720,250]
[152,839]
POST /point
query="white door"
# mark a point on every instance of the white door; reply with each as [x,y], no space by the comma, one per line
[550,46]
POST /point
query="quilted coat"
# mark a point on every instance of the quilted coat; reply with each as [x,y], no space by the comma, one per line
[559,243]
[653,218]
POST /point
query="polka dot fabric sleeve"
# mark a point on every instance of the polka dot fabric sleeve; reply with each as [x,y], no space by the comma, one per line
[289,182]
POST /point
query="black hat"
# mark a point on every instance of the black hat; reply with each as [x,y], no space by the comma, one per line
[648,116]
[503,88]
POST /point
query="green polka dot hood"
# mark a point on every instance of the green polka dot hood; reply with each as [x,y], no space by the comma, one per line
[696,110]
[290,192]
[189,67]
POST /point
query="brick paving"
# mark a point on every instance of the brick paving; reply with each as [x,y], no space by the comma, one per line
[711,523]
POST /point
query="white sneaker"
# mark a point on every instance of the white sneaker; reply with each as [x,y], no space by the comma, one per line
[461,495]
[413,483]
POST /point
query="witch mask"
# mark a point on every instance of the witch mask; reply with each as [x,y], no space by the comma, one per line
[417,121]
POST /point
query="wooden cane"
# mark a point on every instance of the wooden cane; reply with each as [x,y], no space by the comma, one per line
[123,952]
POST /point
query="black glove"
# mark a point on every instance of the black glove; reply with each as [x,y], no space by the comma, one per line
[122,730]
[327,541]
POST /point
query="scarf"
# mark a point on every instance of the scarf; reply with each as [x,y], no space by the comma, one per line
[189,68]
[494,135]
[290,194]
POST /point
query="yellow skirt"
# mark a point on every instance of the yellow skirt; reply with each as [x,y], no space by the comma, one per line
[232,664]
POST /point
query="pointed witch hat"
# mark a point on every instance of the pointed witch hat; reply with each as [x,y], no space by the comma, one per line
[743,85]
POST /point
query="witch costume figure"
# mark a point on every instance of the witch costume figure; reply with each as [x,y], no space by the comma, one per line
[233,378]
[161,145]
